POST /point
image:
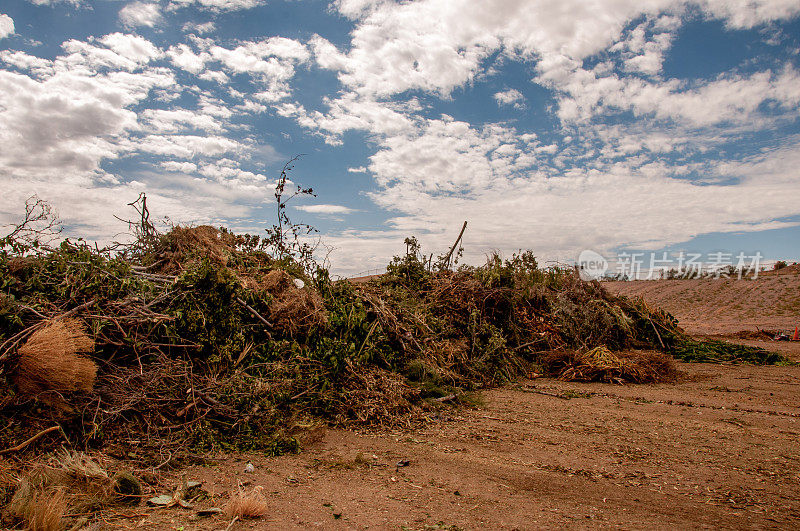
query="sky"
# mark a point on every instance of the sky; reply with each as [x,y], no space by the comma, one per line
[553,125]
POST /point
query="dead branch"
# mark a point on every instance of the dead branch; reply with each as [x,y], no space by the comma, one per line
[22,445]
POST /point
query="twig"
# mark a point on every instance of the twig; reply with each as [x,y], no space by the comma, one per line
[366,338]
[232,522]
[254,312]
[443,399]
[20,446]
[657,334]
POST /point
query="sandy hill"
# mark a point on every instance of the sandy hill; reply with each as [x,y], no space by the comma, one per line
[723,306]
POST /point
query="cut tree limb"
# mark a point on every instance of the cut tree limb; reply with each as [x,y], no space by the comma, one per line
[455,245]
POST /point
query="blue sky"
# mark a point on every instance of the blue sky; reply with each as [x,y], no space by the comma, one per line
[554,125]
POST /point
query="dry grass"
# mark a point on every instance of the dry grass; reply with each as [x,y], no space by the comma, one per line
[53,360]
[184,245]
[70,481]
[376,396]
[243,504]
[39,509]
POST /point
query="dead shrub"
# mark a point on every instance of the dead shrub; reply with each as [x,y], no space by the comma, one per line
[243,504]
[183,245]
[53,360]
[601,365]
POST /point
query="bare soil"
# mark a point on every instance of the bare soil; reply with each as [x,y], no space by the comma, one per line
[719,448]
[722,306]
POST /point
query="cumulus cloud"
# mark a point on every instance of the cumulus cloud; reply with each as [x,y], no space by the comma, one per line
[74,3]
[176,114]
[140,14]
[6,26]
[433,172]
[511,97]
[63,121]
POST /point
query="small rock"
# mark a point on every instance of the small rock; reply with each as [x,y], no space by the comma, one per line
[161,500]
[403,462]
[249,468]
[299,283]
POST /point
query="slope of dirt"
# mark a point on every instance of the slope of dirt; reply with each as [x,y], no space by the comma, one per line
[717,450]
[722,306]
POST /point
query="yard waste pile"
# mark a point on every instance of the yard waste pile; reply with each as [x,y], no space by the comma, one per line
[198,339]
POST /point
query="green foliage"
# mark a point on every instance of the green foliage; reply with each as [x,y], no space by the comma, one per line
[409,268]
[206,313]
[715,351]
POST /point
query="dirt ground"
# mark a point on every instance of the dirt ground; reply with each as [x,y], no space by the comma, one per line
[722,306]
[719,448]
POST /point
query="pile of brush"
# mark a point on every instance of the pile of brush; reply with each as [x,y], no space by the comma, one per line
[198,339]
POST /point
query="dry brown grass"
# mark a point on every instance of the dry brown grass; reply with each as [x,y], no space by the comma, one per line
[189,244]
[69,482]
[40,510]
[53,360]
[243,504]
[376,396]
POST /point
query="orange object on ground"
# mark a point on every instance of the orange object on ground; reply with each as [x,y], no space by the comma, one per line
[796,336]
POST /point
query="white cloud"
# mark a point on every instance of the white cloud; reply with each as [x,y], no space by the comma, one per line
[64,121]
[182,56]
[216,5]
[271,62]
[6,26]
[175,120]
[200,29]
[511,97]
[138,14]
[74,3]
[584,94]
[325,209]
[351,112]
[751,13]
[179,167]
[120,96]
